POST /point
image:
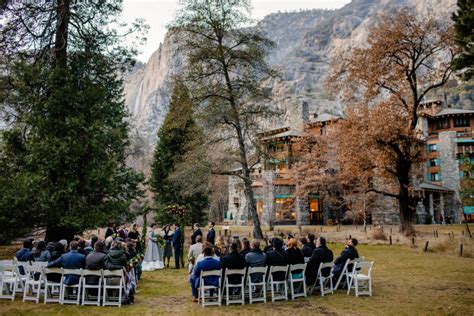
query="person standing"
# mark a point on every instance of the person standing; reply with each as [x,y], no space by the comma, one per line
[168,237]
[177,245]
[211,234]
[134,235]
[196,232]
[111,231]
[153,257]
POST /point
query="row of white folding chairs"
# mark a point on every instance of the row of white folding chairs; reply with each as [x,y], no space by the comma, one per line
[356,274]
[35,281]
[254,282]
[360,274]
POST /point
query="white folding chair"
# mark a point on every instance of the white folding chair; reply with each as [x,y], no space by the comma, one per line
[71,298]
[111,287]
[362,278]
[296,276]
[87,298]
[20,271]
[8,281]
[43,264]
[346,275]
[33,283]
[260,287]
[278,288]
[324,278]
[228,287]
[205,289]
[52,288]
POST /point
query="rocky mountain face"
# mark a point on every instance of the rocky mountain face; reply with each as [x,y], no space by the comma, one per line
[306,41]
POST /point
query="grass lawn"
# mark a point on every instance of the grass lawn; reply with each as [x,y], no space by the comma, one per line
[406,281]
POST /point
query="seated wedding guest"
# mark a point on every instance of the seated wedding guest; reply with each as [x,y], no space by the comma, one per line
[41,254]
[65,244]
[277,257]
[81,246]
[25,254]
[97,260]
[131,250]
[220,247]
[245,247]
[233,260]
[70,260]
[321,254]
[269,246]
[194,251]
[201,256]
[108,242]
[117,254]
[306,249]
[90,246]
[58,250]
[349,252]
[295,256]
[311,239]
[196,232]
[256,258]
[206,264]
[50,247]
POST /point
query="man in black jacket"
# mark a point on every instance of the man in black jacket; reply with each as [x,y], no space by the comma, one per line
[197,232]
[349,252]
[97,260]
[211,234]
[321,254]
[277,257]
[233,260]
[306,249]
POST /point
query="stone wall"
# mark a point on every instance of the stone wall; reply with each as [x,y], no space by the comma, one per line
[236,194]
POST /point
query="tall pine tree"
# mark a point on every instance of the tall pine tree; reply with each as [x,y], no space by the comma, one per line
[177,136]
[64,147]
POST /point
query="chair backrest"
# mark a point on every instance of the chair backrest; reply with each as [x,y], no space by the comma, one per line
[53,271]
[211,273]
[253,270]
[39,264]
[11,268]
[325,269]
[113,273]
[2,262]
[363,266]
[33,269]
[350,264]
[297,267]
[235,272]
[72,272]
[87,272]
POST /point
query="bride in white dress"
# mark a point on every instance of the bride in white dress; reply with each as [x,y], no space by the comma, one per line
[154,254]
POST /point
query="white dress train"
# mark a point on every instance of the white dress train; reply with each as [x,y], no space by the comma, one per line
[153,255]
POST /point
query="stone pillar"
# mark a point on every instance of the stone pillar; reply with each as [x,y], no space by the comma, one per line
[420,213]
[268,197]
[431,208]
[302,211]
[441,207]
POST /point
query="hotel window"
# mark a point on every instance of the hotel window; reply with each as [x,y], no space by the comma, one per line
[434,162]
[432,147]
[461,121]
[442,123]
[435,176]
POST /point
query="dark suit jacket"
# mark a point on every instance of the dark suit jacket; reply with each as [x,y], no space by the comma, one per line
[177,239]
[307,251]
[70,260]
[211,236]
[277,257]
[348,253]
[295,256]
[24,254]
[207,264]
[233,261]
[97,260]
[198,232]
[320,255]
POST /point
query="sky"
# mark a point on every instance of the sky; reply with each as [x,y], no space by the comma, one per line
[158,13]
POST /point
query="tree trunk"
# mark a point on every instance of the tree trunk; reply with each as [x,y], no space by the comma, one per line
[405,200]
[63,12]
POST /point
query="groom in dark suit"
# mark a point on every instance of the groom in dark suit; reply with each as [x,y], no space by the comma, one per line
[177,245]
